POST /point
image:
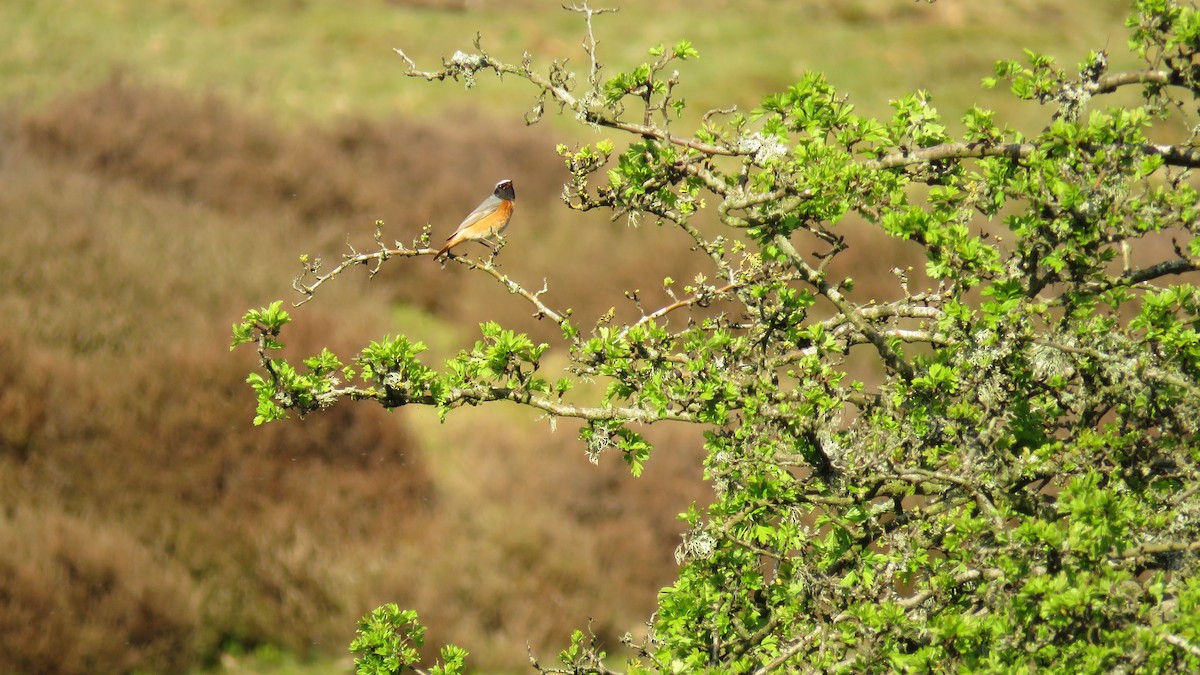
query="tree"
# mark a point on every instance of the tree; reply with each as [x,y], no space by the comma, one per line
[1020,490]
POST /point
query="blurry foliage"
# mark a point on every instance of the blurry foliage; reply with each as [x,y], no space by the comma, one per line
[80,594]
[1020,489]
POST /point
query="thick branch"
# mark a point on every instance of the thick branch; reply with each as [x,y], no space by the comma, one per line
[817,280]
[1174,155]
[1110,83]
[551,407]
[962,578]
[1181,643]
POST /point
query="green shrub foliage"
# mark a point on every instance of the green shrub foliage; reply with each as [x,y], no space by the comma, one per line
[1013,479]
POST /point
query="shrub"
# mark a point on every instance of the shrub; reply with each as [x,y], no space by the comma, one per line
[1019,488]
[79,596]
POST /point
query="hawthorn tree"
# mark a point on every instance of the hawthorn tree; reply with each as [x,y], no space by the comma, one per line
[1021,488]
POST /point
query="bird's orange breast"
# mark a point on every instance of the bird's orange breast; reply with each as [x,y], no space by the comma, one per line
[496,221]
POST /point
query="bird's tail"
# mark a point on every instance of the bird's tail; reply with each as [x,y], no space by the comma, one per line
[445,251]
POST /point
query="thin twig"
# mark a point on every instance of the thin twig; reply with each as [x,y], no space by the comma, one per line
[589,44]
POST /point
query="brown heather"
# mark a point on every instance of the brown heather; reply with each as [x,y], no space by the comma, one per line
[145,524]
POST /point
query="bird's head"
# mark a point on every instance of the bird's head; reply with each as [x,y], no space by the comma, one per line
[504,190]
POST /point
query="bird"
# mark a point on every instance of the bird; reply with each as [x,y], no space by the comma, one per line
[488,220]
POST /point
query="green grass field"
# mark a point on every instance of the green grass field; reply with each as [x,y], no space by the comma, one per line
[303,61]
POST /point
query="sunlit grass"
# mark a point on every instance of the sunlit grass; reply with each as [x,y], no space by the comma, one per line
[270,660]
[316,60]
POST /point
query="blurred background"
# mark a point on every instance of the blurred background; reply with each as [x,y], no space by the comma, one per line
[162,167]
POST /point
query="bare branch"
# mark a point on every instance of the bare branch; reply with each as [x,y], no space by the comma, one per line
[513,287]
[349,260]
[590,42]
[464,64]
[355,258]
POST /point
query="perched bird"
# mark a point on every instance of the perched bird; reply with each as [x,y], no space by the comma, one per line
[488,220]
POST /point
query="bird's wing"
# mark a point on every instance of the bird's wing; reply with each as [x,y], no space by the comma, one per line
[487,207]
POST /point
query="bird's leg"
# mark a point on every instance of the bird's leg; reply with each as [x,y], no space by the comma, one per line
[500,241]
